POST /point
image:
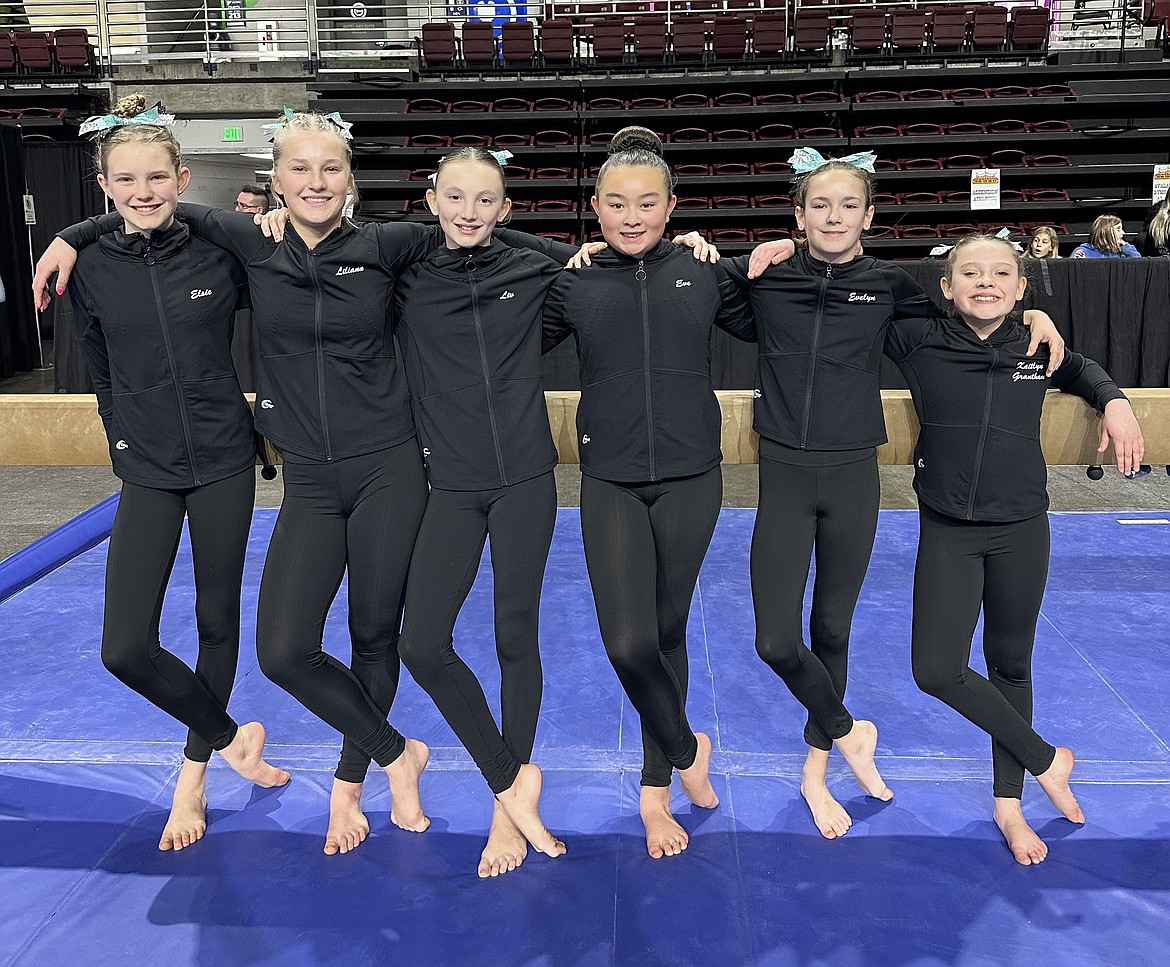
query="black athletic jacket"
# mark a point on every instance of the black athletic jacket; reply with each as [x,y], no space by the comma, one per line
[470,333]
[154,318]
[978,402]
[821,329]
[648,411]
[329,384]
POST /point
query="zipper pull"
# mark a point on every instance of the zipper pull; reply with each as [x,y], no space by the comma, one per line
[469,265]
[148,255]
[640,275]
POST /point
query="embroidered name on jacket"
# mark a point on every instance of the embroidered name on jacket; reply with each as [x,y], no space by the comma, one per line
[507,295]
[862,297]
[200,293]
[681,283]
[351,269]
[1028,370]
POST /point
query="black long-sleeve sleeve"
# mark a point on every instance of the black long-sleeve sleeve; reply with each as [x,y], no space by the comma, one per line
[93,346]
[1085,378]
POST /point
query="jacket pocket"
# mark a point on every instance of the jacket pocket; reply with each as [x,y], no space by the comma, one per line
[148,440]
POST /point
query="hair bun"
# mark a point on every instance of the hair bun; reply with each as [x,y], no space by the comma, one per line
[635,138]
[129,106]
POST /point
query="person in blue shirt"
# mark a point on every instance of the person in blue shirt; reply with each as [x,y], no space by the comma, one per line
[1106,241]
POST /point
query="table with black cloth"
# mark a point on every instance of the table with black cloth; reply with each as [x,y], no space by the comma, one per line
[1115,311]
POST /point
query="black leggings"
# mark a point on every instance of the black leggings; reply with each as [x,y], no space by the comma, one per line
[644,545]
[828,505]
[143,544]
[1001,567]
[359,514]
[519,520]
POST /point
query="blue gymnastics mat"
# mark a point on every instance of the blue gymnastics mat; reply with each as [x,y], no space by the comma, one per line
[86,768]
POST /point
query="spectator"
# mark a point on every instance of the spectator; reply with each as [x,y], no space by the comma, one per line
[1044,244]
[1106,241]
[254,199]
[1154,240]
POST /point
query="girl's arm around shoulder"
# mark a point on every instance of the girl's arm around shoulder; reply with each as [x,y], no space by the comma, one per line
[905,336]
[402,244]
[559,252]
[555,326]
[92,340]
[735,271]
[906,296]
[234,232]
[735,312]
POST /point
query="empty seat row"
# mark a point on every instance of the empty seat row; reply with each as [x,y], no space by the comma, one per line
[903,30]
[686,100]
[928,129]
[41,52]
[1017,160]
[560,138]
[965,93]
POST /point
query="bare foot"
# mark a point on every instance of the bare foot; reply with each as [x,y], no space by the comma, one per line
[246,756]
[506,846]
[406,810]
[664,836]
[828,814]
[696,781]
[1026,846]
[521,801]
[1054,782]
[188,819]
[348,826]
[858,748]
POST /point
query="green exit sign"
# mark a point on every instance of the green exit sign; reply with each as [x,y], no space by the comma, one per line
[235,133]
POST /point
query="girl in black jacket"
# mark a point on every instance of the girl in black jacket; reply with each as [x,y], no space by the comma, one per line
[153,308]
[469,327]
[648,428]
[980,478]
[821,318]
[331,397]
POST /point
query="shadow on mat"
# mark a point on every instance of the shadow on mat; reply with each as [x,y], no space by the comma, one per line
[268,895]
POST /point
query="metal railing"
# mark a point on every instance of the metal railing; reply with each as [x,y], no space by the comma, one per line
[357,34]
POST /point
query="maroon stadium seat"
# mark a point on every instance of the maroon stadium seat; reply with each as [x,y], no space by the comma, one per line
[479,43]
[731,169]
[1007,126]
[72,50]
[989,28]
[960,128]
[948,28]
[770,34]
[556,42]
[438,44]
[690,100]
[650,38]
[729,40]
[868,31]
[810,31]
[734,99]
[688,36]
[470,141]
[609,40]
[511,105]
[775,99]
[7,53]
[730,201]
[426,105]
[1006,158]
[691,170]
[769,234]
[907,30]
[518,42]
[32,50]
[872,97]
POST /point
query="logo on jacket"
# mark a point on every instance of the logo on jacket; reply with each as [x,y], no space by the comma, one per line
[921,463]
[862,297]
[585,438]
[426,452]
[267,405]
[121,445]
[757,395]
[200,293]
[507,295]
[1025,369]
[681,283]
[351,269]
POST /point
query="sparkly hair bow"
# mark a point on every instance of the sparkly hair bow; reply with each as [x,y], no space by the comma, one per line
[343,127]
[101,126]
[804,160]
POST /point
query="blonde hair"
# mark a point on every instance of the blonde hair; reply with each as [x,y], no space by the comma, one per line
[1159,228]
[128,107]
[1054,240]
[953,254]
[636,147]
[311,122]
[1103,234]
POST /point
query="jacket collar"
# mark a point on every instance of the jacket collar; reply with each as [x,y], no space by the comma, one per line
[333,240]
[807,264]
[162,243]
[1012,330]
[611,256]
[458,261]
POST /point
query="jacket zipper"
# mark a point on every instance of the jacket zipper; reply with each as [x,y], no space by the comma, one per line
[320,350]
[640,277]
[988,391]
[184,418]
[823,287]
[469,267]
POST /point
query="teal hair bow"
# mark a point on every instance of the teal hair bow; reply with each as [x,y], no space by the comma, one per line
[804,160]
[343,126]
[108,122]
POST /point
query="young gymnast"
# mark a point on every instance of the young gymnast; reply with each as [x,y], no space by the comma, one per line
[648,427]
[332,398]
[980,478]
[821,319]
[181,440]
[469,324]
[1043,244]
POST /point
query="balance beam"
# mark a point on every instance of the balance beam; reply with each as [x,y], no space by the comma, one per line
[62,430]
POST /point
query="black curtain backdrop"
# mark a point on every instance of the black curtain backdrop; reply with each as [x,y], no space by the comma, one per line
[18,331]
[62,181]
